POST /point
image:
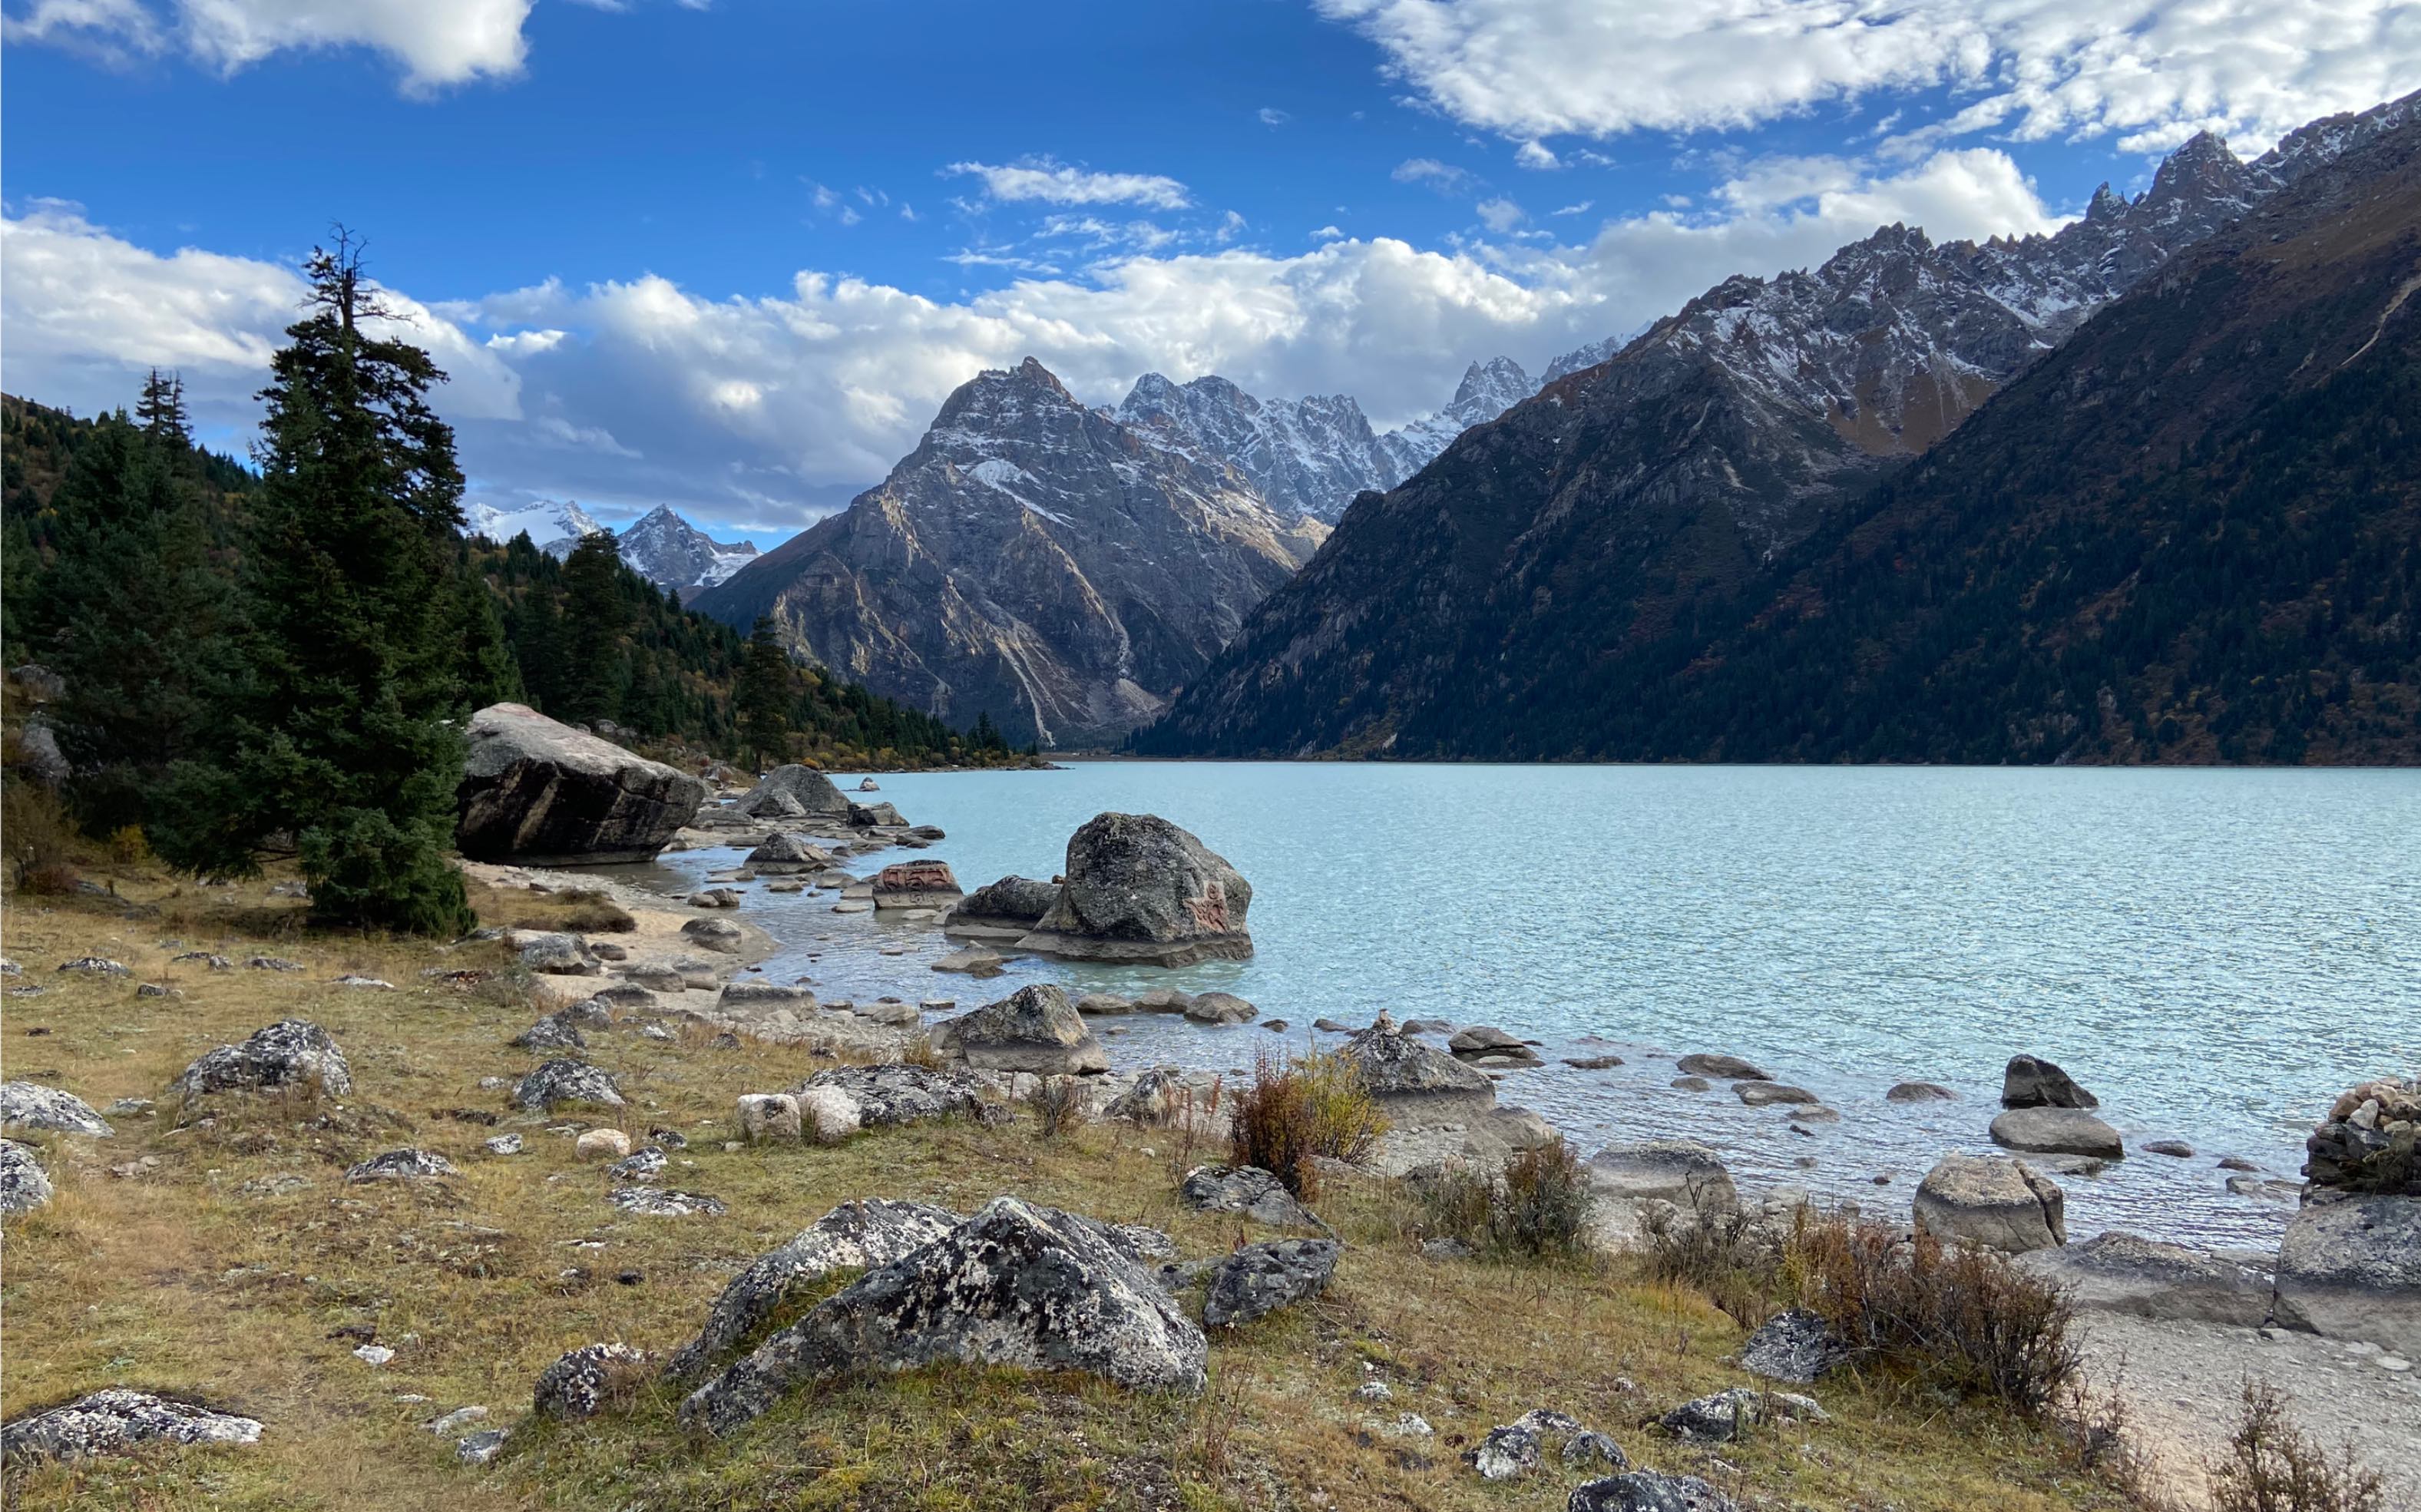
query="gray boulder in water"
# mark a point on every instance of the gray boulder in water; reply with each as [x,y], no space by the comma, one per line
[1015,1284]
[1999,1203]
[793,790]
[119,1422]
[2029,1082]
[2043,1130]
[1411,1080]
[291,1053]
[785,854]
[855,1235]
[1033,1029]
[537,792]
[1003,910]
[1141,890]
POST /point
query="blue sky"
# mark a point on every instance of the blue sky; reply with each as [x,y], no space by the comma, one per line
[732,256]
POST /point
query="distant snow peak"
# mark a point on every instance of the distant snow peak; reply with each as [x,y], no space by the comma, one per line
[553,528]
[671,552]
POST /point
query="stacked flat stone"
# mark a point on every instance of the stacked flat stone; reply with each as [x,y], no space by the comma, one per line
[2369,1141]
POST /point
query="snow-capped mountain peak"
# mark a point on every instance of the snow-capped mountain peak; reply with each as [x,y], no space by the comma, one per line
[553,528]
[671,552]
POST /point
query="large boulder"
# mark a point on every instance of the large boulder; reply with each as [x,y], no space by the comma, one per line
[2044,1131]
[1033,1029]
[1001,910]
[792,791]
[1680,1171]
[2121,1272]
[855,1235]
[785,854]
[1015,1284]
[541,793]
[30,1105]
[1648,1490]
[1246,1190]
[2030,1081]
[2349,1267]
[118,1422]
[899,1094]
[1259,1279]
[915,885]
[290,1054]
[2370,1141]
[1141,890]
[1412,1081]
[564,1081]
[1999,1203]
[23,1184]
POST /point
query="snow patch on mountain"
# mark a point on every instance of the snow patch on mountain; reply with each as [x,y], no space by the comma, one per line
[553,528]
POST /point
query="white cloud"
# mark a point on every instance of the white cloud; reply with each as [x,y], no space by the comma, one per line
[1445,178]
[1056,183]
[755,413]
[1328,233]
[1535,156]
[1500,216]
[438,42]
[1576,210]
[1272,116]
[2150,73]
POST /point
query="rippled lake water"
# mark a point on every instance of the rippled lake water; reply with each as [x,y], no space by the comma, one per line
[2215,953]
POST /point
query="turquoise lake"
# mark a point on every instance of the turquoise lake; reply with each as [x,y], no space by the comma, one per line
[2215,953]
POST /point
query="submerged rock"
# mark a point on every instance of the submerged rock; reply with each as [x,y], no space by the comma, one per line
[1767,1094]
[1221,1007]
[1140,889]
[1919,1092]
[291,1053]
[1999,1203]
[539,792]
[1015,1284]
[2047,1130]
[1001,910]
[1721,1068]
[119,1422]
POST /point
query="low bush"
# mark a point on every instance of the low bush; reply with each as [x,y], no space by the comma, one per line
[1962,1318]
[128,847]
[34,828]
[1057,1104]
[917,1050]
[1296,1110]
[2274,1466]
[586,911]
[1720,1251]
[1535,1209]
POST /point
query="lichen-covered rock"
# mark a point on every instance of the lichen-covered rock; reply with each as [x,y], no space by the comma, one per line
[1794,1346]
[656,1202]
[1719,1418]
[1504,1453]
[1015,1284]
[888,1095]
[541,793]
[1648,1490]
[1259,1279]
[2052,1130]
[786,854]
[854,1236]
[401,1165]
[1033,1029]
[1514,1449]
[559,954]
[827,1114]
[119,1422]
[291,1053]
[1248,1190]
[30,1105]
[553,1032]
[587,1381]
[2370,1141]
[792,791]
[565,1080]
[1154,1099]
[767,1116]
[23,1184]
[1413,1080]
[2349,1267]
[2029,1082]
[1139,889]
[1004,909]
[1999,1203]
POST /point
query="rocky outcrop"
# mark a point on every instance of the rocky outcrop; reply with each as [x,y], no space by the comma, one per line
[888,1095]
[1033,1029]
[855,1235]
[292,1053]
[401,1165]
[2057,1131]
[2117,1272]
[1015,1284]
[1412,1081]
[1244,1190]
[23,1184]
[1259,1279]
[2030,1081]
[1033,560]
[540,793]
[564,1081]
[2349,1267]
[1140,890]
[1999,1203]
[1513,1450]
[2369,1141]
[119,1422]
[31,1106]
[1002,911]
[1680,1171]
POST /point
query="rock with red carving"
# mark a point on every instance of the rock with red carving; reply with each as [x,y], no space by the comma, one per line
[1141,890]
[917,885]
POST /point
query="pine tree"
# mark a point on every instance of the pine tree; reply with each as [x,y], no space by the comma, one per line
[485,662]
[594,617]
[161,410]
[761,701]
[342,729]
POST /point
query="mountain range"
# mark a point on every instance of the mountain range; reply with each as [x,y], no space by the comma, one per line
[659,546]
[1662,555]
[1033,559]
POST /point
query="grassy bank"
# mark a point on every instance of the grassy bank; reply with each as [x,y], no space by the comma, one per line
[231,1263]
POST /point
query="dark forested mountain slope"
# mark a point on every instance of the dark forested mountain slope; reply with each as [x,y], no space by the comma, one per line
[1595,573]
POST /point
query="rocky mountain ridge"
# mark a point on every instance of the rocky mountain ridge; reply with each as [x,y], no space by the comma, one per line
[1033,559]
[671,552]
[1615,506]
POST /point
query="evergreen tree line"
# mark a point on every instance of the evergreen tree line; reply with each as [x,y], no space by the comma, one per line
[282,661]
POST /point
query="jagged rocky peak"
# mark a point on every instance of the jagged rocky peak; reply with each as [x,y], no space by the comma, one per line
[671,552]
